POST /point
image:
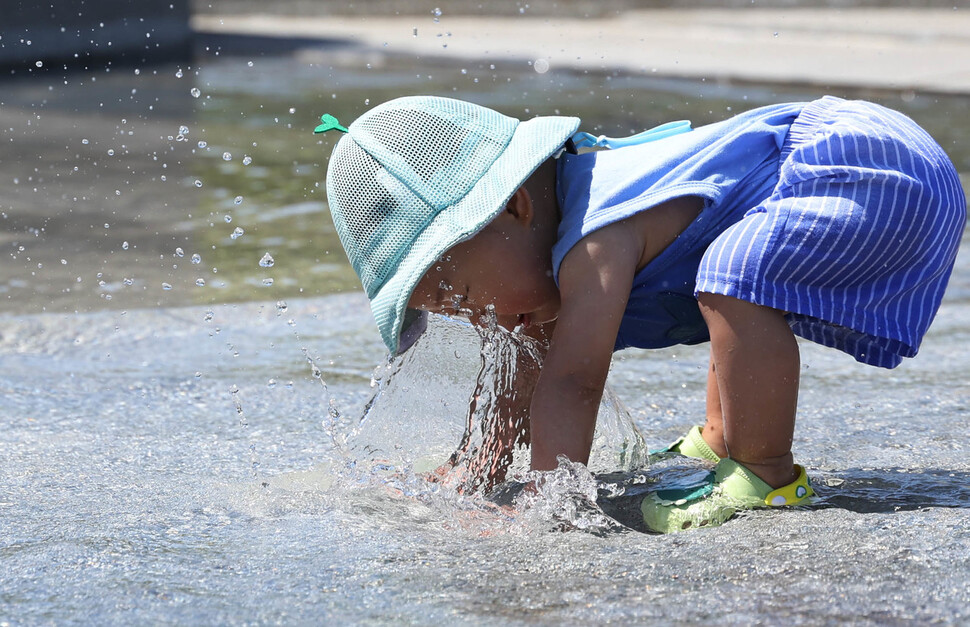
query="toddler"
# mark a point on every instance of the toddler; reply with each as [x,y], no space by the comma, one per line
[836,221]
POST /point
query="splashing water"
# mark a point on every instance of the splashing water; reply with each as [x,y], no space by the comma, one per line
[443,407]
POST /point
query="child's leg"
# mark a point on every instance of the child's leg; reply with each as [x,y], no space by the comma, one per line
[755,366]
[713,432]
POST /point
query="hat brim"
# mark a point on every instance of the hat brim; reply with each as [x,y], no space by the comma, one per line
[533,142]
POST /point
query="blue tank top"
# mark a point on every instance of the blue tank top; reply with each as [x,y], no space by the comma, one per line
[732,164]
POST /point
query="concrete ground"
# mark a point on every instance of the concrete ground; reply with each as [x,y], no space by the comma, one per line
[923,50]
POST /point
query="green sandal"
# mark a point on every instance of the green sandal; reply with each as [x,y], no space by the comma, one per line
[731,488]
[692,445]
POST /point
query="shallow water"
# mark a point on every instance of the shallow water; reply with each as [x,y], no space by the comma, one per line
[193,454]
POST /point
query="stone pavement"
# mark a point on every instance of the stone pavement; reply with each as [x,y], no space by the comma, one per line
[923,50]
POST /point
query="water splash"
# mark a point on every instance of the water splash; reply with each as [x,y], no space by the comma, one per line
[333,425]
[564,499]
[449,407]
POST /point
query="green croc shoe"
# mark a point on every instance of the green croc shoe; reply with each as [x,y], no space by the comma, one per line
[692,445]
[732,488]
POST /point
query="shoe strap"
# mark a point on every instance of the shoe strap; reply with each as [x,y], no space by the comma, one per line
[792,494]
[702,450]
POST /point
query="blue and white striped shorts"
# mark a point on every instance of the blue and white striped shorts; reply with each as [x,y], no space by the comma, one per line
[857,240]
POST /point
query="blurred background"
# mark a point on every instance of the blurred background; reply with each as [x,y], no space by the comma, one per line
[160,153]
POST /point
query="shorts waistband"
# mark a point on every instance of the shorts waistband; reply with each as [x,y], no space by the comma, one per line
[808,120]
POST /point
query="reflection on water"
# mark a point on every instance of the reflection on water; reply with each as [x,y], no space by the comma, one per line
[167,185]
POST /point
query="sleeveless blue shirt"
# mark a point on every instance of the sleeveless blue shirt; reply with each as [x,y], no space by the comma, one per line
[733,165]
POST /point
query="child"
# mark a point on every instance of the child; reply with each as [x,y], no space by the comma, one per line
[834,220]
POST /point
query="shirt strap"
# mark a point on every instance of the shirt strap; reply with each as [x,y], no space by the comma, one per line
[585,140]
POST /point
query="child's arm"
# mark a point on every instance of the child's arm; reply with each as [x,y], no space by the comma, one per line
[594,280]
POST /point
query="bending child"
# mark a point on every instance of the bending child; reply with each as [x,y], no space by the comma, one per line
[837,221]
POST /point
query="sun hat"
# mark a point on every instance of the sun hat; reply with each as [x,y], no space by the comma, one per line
[414,176]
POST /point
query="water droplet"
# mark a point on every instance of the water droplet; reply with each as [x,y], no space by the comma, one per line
[183,130]
[178,74]
[196,258]
[237,200]
[208,316]
[292,110]
[111,152]
[228,218]
[166,286]
[85,142]
[250,64]
[281,307]
[267,281]
[237,233]
[198,183]
[247,160]
[39,64]
[227,156]
[267,261]
[203,144]
[271,383]
[124,245]
[179,252]
[436,12]
[128,281]
[63,262]
[541,66]
[200,282]
[195,92]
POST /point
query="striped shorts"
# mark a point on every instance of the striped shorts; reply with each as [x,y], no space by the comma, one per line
[857,240]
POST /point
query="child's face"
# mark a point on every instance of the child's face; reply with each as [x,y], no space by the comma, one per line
[508,265]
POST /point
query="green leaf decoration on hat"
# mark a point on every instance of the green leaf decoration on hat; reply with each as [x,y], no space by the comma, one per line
[329,123]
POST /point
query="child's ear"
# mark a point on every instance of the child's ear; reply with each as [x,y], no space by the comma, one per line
[520,206]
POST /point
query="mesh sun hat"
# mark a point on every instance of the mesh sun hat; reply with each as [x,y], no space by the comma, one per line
[414,176]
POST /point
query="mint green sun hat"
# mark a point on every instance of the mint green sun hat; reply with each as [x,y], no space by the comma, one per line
[414,176]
